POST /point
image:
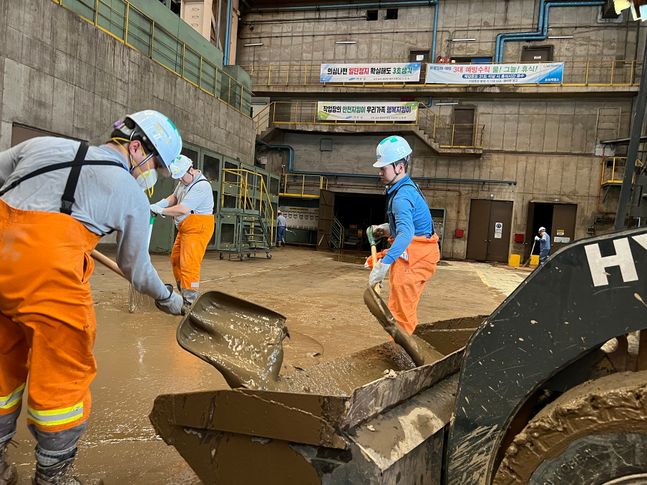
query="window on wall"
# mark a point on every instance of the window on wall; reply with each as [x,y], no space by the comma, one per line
[540,53]
[371,15]
[391,14]
[211,168]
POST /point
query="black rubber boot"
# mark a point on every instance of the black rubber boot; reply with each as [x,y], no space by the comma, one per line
[61,473]
[8,472]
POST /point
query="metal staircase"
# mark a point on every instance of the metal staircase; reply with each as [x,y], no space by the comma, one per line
[248,212]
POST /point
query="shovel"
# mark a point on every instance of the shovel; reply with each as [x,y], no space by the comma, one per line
[381,311]
[244,341]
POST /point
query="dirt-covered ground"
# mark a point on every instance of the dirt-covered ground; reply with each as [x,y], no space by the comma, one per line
[138,357]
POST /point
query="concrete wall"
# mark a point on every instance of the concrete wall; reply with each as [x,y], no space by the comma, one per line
[309,37]
[59,73]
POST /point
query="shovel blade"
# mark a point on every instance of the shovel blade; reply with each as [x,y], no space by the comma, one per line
[244,341]
[381,311]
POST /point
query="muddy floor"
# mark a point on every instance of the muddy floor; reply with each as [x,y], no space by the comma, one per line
[138,357]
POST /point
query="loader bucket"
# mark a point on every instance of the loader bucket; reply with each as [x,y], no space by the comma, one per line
[369,417]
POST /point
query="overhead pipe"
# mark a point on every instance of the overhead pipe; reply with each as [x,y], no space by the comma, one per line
[435,32]
[542,24]
[225,60]
[294,8]
[449,180]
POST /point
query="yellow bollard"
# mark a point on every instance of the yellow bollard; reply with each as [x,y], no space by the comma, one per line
[534,260]
[514,260]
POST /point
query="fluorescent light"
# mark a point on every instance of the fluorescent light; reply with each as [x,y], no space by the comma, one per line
[345,42]
[560,36]
[253,44]
[446,103]
[465,39]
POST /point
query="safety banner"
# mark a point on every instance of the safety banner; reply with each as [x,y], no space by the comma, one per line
[370,73]
[366,111]
[549,73]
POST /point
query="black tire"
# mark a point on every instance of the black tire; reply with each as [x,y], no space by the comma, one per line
[592,434]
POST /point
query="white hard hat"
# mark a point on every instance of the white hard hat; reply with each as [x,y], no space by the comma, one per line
[390,150]
[542,228]
[180,166]
[160,132]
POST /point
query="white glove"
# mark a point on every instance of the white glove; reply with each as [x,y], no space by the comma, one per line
[172,304]
[378,273]
[537,238]
[157,209]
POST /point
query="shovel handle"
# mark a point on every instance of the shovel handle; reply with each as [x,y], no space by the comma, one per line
[374,254]
[107,262]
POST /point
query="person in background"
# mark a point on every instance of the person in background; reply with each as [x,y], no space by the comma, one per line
[281,228]
[58,197]
[191,205]
[544,244]
[414,253]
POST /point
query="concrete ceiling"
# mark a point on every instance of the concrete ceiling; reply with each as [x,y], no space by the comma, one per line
[253,4]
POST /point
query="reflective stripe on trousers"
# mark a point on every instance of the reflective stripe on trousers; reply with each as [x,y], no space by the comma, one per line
[193,236]
[46,315]
[9,402]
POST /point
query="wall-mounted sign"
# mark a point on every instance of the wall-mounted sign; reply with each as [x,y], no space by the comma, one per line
[367,111]
[549,73]
[498,230]
[370,73]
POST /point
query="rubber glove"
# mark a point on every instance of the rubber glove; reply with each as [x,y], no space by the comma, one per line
[172,304]
[537,238]
[378,273]
[157,209]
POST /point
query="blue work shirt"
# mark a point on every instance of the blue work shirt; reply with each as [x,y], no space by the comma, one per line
[544,244]
[408,216]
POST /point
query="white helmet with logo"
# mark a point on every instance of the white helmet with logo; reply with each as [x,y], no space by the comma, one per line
[180,166]
[390,150]
[159,131]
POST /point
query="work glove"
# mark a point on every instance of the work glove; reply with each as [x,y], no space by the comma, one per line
[378,273]
[172,304]
[537,238]
[157,209]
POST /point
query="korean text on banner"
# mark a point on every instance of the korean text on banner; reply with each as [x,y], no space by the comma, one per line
[370,73]
[365,111]
[549,73]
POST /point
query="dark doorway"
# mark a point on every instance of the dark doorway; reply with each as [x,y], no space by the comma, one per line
[463,126]
[540,53]
[356,212]
[559,221]
[488,234]
[20,133]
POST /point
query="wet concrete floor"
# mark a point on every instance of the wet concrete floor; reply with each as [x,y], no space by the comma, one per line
[139,358]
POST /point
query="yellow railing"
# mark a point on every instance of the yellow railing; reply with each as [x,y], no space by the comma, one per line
[446,135]
[612,170]
[310,186]
[249,182]
[576,73]
[134,28]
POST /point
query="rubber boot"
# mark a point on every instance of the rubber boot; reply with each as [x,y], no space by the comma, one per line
[61,473]
[8,472]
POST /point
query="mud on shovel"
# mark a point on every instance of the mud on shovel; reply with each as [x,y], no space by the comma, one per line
[381,311]
[244,341]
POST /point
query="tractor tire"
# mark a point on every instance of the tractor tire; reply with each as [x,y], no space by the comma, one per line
[595,433]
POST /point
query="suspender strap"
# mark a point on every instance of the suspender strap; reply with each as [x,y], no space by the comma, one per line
[67,200]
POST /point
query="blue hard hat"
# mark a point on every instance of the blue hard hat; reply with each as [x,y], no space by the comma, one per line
[390,150]
[161,133]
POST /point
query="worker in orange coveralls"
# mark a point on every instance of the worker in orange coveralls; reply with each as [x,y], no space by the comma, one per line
[58,197]
[191,205]
[413,255]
